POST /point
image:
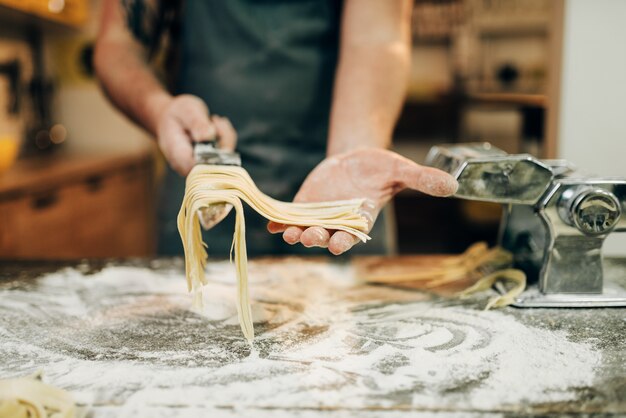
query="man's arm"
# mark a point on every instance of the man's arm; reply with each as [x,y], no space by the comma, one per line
[121,62]
[370,87]
[372,75]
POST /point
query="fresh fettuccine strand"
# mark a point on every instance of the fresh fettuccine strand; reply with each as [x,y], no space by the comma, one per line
[209,185]
[456,268]
[486,265]
[517,277]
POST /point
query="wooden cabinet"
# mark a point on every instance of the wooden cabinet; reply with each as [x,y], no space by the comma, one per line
[69,12]
[76,207]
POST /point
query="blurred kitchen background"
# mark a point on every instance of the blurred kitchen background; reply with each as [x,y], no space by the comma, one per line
[545,77]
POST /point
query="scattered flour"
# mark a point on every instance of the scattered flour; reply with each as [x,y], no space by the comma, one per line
[127,336]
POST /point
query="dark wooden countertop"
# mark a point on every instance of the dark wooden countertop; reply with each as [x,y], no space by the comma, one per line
[152,331]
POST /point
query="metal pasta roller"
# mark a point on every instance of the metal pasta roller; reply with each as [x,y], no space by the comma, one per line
[207,152]
[555,220]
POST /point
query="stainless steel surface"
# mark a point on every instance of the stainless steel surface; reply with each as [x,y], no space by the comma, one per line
[579,213]
[594,211]
[560,168]
[208,152]
[488,174]
[555,219]
[612,296]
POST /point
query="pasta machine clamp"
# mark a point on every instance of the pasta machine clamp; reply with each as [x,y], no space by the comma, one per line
[555,220]
[208,152]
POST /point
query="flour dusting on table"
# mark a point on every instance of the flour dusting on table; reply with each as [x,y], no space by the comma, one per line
[128,336]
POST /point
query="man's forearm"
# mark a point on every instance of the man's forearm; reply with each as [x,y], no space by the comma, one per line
[372,77]
[121,65]
[369,92]
[129,84]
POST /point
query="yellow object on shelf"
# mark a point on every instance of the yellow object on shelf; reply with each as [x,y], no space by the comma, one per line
[67,12]
[8,152]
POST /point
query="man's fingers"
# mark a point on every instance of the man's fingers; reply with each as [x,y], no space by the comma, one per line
[175,145]
[275,228]
[200,127]
[226,132]
[292,235]
[315,236]
[341,242]
[194,117]
[428,180]
[181,156]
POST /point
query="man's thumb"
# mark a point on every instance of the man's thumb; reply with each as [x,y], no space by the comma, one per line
[428,180]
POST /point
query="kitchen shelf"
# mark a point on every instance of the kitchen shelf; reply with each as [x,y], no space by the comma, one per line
[507,26]
[521,99]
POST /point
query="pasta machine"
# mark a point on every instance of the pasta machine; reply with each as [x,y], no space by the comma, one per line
[555,220]
[208,152]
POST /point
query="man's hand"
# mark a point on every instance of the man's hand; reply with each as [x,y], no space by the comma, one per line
[185,119]
[121,62]
[374,174]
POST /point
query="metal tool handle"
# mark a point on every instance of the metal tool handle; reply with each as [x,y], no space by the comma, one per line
[208,152]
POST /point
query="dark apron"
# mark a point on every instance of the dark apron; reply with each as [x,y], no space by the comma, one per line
[268,66]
